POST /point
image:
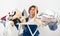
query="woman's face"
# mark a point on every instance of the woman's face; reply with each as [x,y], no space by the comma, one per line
[33,11]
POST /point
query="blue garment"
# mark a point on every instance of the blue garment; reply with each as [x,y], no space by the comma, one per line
[26,31]
[16,21]
[17,26]
[52,25]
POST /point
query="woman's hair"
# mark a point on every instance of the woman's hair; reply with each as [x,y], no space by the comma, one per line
[33,7]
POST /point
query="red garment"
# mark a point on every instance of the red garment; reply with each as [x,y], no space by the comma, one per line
[3,17]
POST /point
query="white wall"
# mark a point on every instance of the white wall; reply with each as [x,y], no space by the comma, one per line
[9,5]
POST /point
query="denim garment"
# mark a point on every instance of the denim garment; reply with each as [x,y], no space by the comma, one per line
[52,25]
[26,31]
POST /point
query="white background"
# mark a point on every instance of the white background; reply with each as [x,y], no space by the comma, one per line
[9,5]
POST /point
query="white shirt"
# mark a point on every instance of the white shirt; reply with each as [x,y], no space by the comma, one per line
[31,20]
